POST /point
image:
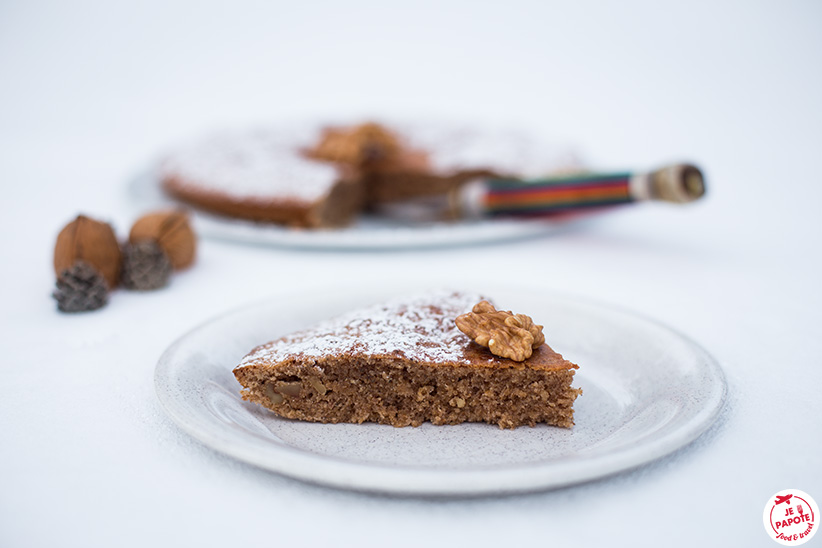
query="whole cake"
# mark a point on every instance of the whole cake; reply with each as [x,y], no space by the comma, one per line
[324,176]
[406,361]
[262,175]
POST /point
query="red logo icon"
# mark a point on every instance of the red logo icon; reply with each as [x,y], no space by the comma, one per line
[791,517]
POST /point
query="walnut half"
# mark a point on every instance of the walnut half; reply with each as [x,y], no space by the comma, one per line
[508,335]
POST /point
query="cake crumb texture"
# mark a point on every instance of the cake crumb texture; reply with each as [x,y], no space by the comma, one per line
[402,363]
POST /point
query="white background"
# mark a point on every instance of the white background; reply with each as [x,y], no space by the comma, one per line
[90,92]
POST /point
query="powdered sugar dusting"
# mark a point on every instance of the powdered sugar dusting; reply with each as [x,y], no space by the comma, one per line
[419,328]
[259,164]
[506,151]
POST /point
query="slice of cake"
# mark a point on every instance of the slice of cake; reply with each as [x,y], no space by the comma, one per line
[405,362]
[262,176]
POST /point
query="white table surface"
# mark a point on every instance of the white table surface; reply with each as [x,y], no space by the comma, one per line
[91,91]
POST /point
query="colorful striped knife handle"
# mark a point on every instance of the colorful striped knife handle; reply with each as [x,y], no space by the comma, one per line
[567,194]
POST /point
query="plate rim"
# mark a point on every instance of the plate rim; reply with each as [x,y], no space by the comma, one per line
[387,478]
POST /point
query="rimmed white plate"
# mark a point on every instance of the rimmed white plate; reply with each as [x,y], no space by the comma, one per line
[647,391]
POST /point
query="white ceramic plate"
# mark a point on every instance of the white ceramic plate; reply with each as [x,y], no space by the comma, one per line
[647,391]
[369,232]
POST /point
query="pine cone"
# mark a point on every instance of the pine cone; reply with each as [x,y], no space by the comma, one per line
[145,266]
[79,288]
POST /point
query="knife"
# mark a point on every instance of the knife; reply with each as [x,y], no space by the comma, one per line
[563,195]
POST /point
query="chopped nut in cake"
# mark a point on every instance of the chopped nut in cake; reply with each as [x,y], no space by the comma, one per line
[406,362]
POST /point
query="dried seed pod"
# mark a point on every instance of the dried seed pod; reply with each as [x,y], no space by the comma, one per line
[173,233]
[80,288]
[92,242]
[145,266]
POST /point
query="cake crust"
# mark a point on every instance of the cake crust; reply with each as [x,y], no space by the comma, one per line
[403,363]
[262,176]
